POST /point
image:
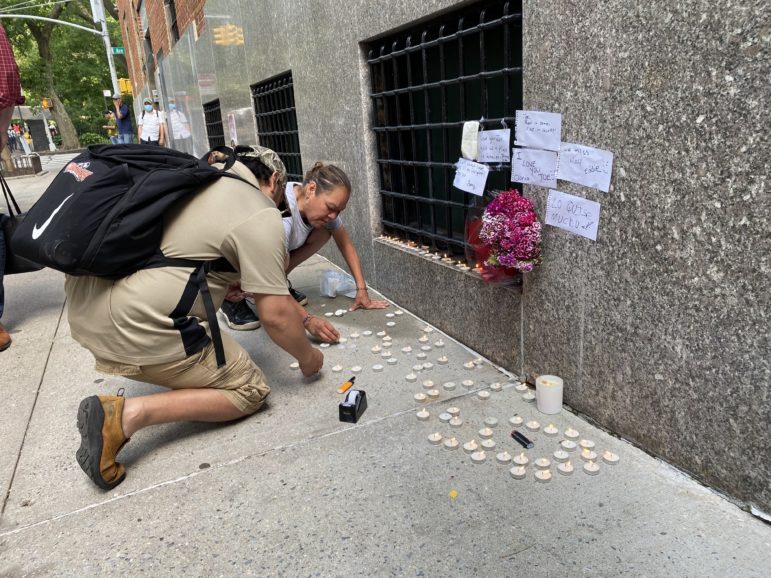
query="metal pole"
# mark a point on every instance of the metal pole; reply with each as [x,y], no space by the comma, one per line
[97,9]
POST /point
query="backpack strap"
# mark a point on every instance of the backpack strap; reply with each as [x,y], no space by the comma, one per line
[202,268]
[227,152]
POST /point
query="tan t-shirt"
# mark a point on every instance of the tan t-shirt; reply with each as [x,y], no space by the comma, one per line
[156,315]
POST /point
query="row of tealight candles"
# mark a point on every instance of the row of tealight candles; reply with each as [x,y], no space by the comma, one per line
[425,251]
[478,451]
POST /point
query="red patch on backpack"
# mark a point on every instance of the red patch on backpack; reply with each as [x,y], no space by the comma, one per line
[78,171]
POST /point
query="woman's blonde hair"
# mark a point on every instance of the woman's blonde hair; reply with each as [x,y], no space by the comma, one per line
[327,177]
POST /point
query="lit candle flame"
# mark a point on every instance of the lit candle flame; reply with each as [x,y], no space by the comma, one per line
[591,463]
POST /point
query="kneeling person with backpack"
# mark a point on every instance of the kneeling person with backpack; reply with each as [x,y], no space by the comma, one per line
[151,326]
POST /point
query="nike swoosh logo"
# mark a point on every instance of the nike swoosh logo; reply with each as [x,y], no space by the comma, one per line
[37,232]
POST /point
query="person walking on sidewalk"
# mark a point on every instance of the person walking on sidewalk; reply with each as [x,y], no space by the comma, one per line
[314,217]
[152,125]
[123,116]
[151,327]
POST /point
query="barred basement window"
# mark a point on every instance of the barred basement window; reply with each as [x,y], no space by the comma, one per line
[213,117]
[274,111]
[426,82]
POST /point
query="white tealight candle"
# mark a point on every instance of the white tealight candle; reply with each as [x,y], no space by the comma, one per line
[478,361]
[435,438]
[542,463]
[521,387]
[442,360]
[391,324]
[294,365]
[411,377]
[533,425]
[324,345]
[427,329]
[356,369]
[399,312]
[407,349]
[470,447]
[451,444]
[588,455]
[366,333]
[516,420]
[428,366]
[423,415]
[342,340]
[588,444]
[591,468]
[456,422]
[354,335]
[428,384]
[491,422]
[337,368]
[449,385]
[423,338]
[568,445]
[453,411]
[561,456]
[376,349]
[339,312]
[518,472]
[439,343]
[529,397]
[565,469]
[417,368]
[571,434]
[392,361]
[421,356]
[387,344]
[468,383]
[329,314]
[389,315]
[610,458]
[386,339]
[445,417]
[496,386]
[483,395]
[503,457]
[381,334]
[469,365]
[488,444]
[420,397]
[425,347]
[550,430]
[433,393]
[377,367]
[486,432]
[385,354]
[543,476]
[520,460]
[478,457]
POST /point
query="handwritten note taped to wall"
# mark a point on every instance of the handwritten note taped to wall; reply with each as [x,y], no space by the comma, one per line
[574,214]
[586,166]
[471,177]
[539,130]
[494,146]
[534,167]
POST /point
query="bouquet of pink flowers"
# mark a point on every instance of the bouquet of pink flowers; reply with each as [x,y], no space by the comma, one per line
[510,235]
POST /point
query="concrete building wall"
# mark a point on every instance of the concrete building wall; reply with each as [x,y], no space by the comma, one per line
[660,327]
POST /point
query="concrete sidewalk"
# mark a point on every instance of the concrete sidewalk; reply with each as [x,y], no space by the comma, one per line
[292,491]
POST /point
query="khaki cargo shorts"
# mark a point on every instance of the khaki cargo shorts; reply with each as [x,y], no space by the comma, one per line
[240,380]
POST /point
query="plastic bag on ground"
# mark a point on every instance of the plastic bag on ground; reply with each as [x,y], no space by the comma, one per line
[337,282]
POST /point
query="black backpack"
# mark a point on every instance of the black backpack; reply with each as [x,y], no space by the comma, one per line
[103,216]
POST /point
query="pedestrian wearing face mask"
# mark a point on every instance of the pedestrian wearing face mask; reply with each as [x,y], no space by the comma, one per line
[152,125]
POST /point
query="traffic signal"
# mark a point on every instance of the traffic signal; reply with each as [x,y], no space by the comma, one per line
[125,86]
[228,35]
[236,35]
[46,103]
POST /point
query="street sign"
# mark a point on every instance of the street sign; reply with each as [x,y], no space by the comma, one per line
[118,50]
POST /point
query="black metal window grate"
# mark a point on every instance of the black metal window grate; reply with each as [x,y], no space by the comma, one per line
[426,82]
[274,111]
[212,114]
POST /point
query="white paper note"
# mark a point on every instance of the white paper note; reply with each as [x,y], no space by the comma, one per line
[471,177]
[586,166]
[494,146]
[574,214]
[534,167]
[540,130]
[469,142]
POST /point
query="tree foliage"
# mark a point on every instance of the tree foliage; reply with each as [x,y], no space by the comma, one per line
[64,63]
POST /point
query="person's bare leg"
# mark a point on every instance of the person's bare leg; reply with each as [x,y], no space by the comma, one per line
[5,121]
[315,241]
[177,405]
